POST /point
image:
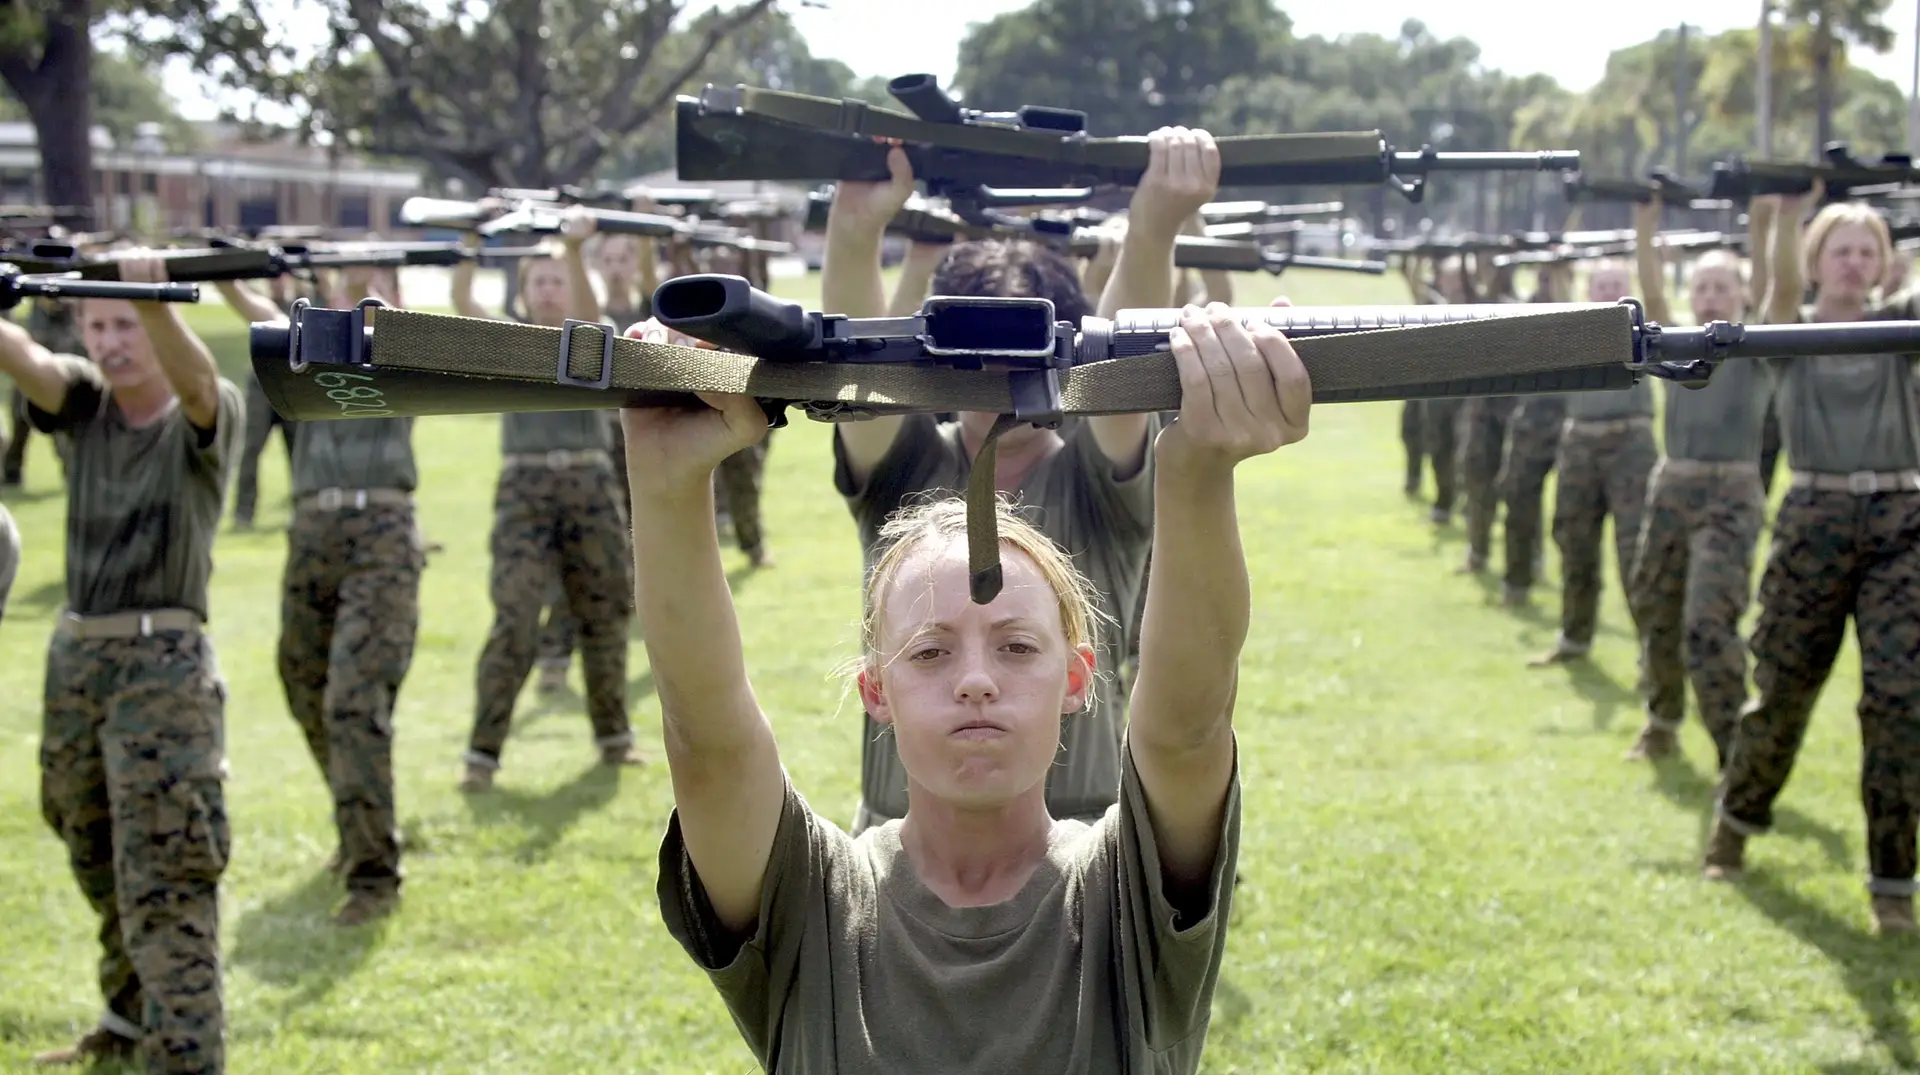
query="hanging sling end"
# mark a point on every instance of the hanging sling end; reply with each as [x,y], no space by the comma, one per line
[985,584]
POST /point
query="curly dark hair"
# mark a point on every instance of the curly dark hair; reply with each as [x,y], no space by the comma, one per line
[1012,268]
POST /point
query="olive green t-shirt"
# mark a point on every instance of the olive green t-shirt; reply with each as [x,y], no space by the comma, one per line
[524,432]
[1106,525]
[354,453]
[1635,402]
[9,557]
[143,505]
[1840,414]
[855,967]
[1722,422]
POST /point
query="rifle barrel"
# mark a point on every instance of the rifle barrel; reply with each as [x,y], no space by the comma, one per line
[1534,161]
[1725,340]
[73,287]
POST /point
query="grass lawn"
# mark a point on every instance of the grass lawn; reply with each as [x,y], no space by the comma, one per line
[1447,867]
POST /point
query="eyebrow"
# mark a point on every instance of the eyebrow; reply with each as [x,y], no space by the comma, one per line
[1008,621]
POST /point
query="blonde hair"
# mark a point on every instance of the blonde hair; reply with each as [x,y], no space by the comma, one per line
[1820,229]
[1719,259]
[942,521]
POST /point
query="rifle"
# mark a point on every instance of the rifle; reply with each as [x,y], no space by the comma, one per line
[16,284]
[965,155]
[1741,179]
[545,218]
[1659,184]
[1247,229]
[1251,211]
[1005,356]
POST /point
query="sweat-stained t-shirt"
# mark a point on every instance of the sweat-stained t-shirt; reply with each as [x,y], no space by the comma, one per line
[1106,525]
[1841,414]
[143,505]
[1722,422]
[354,453]
[855,967]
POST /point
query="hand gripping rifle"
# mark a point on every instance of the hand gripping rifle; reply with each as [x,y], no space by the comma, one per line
[972,157]
[1005,356]
[1741,180]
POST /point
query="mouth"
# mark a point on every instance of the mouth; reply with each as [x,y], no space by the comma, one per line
[115,363]
[979,729]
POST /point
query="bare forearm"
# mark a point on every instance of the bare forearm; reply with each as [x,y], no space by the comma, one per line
[1653,285]
[586,305]
[1197,611]
[461,291]
[1786,285]
[692,634]
[1219,285]
[1760,259]
[1142,274]
[916,276]
[32,367]
[250,304]
[185,360]
[850,282]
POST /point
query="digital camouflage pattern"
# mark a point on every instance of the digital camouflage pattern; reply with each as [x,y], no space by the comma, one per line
[738,479]
[1770,445]
[1415,442]
[1483,440]
[1834,555]
[349,611]
[1533,446]
[1688,590]
[1602,472]
[132,759]
[563,520]
[1440,432]
[262,420]
[559,630]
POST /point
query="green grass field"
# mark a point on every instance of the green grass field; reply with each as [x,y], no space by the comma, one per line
[1447,867]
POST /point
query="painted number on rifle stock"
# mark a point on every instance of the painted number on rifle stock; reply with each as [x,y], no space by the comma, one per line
[355,400]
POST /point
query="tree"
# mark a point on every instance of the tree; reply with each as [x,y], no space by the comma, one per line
[125,94]
[1131,65]
[1835,24]
[501,92]
[47,61]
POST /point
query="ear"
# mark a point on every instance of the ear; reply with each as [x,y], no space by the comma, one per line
[874,697]
[1081,667]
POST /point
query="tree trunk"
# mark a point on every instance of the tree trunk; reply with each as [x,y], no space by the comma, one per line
[56,88]
[1822,84]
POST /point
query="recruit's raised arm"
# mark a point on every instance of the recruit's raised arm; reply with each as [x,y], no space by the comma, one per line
[1242,394]
[184,358]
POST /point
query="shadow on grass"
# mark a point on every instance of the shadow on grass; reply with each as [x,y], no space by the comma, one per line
[1594,685]
[1875,970]
[35,1032]
[1492,586]
[43,598]
[1688,788]
[1231,1005]
[549,815]
[290,941]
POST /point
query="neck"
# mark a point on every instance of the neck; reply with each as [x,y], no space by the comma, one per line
[620,291]
[1014,454]
[144,402]
[1829,307]
[975,858]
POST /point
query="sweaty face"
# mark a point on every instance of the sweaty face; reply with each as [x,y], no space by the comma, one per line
[1849,263]
[975,693]
[1608,284]
[1716,295]
[546,292]
[117,342]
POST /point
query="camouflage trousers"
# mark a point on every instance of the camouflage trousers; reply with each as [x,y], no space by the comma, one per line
[549,521]
[261,422]
[1770,445]
[1691,579]
[739,478]
[1533,445]
[1836,555]
[349,610]
[132,760]
[1604,467]
[1414,441]
[1483,440]
[1440,433]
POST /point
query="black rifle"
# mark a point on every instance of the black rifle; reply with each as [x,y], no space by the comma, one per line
[1254,211]
[544,218]
[747,133]
[1658,184]
[1741,180]
[1033,366]
[16,285]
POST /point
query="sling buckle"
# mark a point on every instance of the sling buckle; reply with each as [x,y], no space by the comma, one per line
[566,352]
